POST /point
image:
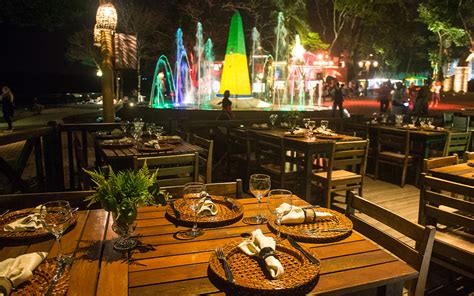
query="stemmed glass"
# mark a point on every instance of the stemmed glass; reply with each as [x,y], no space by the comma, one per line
[422,121]
[429,120]
[413,120]
[150,127]
[56,217]
[276,198]
[311,125]
[158,132]
[306,121]
[137,133]
[324,124]
[375,116]
[273,119]
[124,126]
[259,185]
[193,192]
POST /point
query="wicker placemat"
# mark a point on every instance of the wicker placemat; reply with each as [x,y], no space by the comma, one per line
[251,276]
[22,235]
[297,231]
[42,279]
[225,214]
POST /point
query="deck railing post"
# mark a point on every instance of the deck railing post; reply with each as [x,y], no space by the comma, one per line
[53,158]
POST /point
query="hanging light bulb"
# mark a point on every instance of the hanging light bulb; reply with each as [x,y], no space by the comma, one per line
[106,17]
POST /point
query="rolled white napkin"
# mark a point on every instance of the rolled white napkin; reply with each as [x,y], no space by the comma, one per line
[296,132]
[20,269]
[28,223]
[255,244]
[208,208]
[299,215]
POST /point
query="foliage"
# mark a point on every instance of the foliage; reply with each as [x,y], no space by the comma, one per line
[123,192]
[81,48]
[313,42]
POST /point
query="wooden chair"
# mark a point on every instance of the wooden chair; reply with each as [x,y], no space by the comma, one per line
[437,162]
[448,119]
[356,129]
[31,200]
[468,156]
[457,143]
[418,257]
[346,169]
[205,156]
[394,149]
[272,159]
[84,180]
[453,246]
[239,153]
[172,169]
[460,123]
[228,189]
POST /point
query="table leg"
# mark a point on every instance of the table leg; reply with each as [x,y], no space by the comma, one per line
[308,171]
[395,289]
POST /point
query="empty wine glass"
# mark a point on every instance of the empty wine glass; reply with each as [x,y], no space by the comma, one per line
[311,125]
[193,192]
[324,124]
[137,133]
[375,116]
[279,204]
[414,119]
[259,185]
[273,119]
[150,127]
[158,132]
[56,217]
[430,120]
[306,121]
[422,121]
[124,126]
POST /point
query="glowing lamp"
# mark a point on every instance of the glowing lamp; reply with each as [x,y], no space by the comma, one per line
[361,64]
[106,17]
[367,64]
[298,51]
[375,64]
[319,56]
[99,73]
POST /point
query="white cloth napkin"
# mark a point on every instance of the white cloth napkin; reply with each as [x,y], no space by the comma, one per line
[20,269]
[257,242]
[119,141]
[297,215]
[297,132]
[28,223]
[208,208]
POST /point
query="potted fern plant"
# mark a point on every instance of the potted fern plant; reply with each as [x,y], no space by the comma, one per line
[122,193]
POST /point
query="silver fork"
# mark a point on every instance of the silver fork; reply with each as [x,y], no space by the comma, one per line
[316,230]
[221,257]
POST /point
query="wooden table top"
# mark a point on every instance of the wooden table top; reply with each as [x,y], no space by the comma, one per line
[164,265]
[461,173]
[418,130]
[315,141]
[182,147]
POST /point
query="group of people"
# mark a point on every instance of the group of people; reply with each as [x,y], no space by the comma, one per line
[416,98]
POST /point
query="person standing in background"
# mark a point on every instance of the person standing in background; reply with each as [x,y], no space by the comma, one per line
[436,91]
[384,97]
[8,107]
[338,100]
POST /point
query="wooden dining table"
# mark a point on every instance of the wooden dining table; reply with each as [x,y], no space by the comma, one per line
[460,173]
[121,158]
[164,265]
[309,147]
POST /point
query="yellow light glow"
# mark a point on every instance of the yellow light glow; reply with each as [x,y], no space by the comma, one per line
[106,17]
[361,64]
[375,64]
[99,73]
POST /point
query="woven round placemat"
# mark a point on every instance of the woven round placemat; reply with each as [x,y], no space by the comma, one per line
[42,279]
[22,235]
[296,231]
[225,214]
[251,276]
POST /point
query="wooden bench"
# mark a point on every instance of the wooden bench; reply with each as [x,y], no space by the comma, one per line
[454,216]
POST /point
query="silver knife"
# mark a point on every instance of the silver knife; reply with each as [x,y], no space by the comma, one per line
[310,257]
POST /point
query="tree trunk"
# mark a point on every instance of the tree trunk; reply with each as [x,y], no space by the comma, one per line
[107,76]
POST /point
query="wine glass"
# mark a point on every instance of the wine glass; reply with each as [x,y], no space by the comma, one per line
[124,126]
[273,119]
[306,121]
[259,185]
[311,125]
[137,133]
[324,124]
[413,120]
[276,198]
[158,132]
[56,217]
[429,120]
[193,192]
[375,116]
[150,127]
[422,121]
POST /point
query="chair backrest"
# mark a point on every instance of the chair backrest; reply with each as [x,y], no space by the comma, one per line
[228,189]
[269,149]
[30,200]
[350,155]
[436,192]
[457,143]
[205,156]
[460,123]
[468,156]
[172,169]
[418,257]
[81,164]
[356,129]
[448,119]
[437,162]
[394,140]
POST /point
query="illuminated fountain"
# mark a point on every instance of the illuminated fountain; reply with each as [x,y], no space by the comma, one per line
[280,62]
[182,80]
[199,63]
[206,86]
[297,74]
[163,83]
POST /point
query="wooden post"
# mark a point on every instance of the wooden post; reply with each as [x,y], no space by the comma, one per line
[53,159]
[107,68]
